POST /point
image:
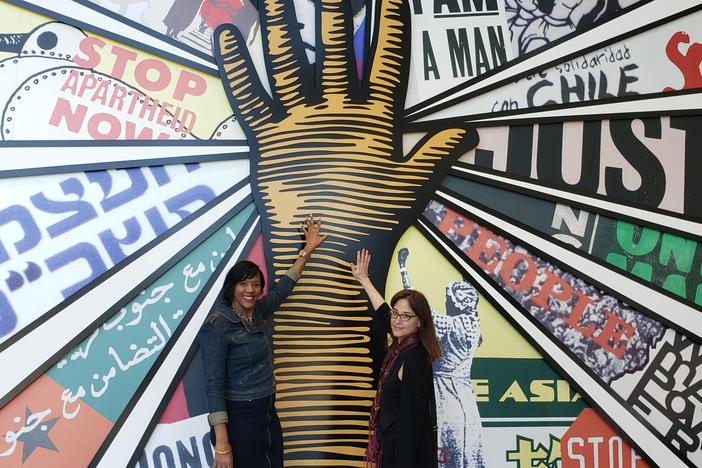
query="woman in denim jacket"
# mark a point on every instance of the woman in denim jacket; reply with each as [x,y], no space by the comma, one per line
[238,363]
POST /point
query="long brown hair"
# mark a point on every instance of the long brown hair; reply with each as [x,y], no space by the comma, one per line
[427,333]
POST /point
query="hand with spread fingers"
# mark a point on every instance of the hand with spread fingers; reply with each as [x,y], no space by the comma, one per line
[313,239]
[359,270]
[312,231]
[329,144]
[322,144]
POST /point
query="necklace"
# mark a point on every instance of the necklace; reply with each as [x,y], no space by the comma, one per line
[247,319]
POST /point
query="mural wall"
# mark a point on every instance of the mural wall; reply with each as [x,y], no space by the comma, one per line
[528,165]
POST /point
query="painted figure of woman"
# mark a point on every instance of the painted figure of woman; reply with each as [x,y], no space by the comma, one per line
[460,428]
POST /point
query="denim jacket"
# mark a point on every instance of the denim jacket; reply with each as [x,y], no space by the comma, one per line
[237,359]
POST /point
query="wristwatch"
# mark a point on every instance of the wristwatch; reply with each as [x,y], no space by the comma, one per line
[303,253]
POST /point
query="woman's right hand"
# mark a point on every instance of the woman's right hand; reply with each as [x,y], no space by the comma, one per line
[223,460]
[223,456]
[359,270]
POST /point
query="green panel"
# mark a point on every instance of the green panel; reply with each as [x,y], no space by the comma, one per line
[522,388]
[109,365]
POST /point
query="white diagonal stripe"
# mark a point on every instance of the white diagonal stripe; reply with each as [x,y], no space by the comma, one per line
[663,221]
[55,157]
[34,351]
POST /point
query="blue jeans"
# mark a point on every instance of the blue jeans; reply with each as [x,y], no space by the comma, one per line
[254,433]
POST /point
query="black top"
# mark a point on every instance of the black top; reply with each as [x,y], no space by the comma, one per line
[407,414]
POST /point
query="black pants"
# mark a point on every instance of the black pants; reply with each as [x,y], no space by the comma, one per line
[255,433]
[388,460]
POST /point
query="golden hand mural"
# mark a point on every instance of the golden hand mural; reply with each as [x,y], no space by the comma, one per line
[327,145]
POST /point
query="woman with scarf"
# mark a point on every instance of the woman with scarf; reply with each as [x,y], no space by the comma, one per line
[245,429]
[402,428]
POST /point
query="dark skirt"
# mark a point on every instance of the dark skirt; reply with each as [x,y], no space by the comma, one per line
[254,433]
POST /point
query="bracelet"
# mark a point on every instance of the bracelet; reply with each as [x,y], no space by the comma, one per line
[223,453]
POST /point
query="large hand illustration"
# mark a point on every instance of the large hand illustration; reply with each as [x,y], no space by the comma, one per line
[322,145]
[327,146]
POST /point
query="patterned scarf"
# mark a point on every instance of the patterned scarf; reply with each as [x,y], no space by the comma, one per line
[374,453]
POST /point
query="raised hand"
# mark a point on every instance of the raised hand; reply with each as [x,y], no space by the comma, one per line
[327,144]
[359,270]
[313,236]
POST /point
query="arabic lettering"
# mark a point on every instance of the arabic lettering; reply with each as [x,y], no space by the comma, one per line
[105,380]
[156,295]
[81,353]
[189,274]
[69,398]
[110,325]
[31,422]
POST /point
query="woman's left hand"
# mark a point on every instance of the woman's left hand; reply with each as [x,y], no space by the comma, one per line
[313,237]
